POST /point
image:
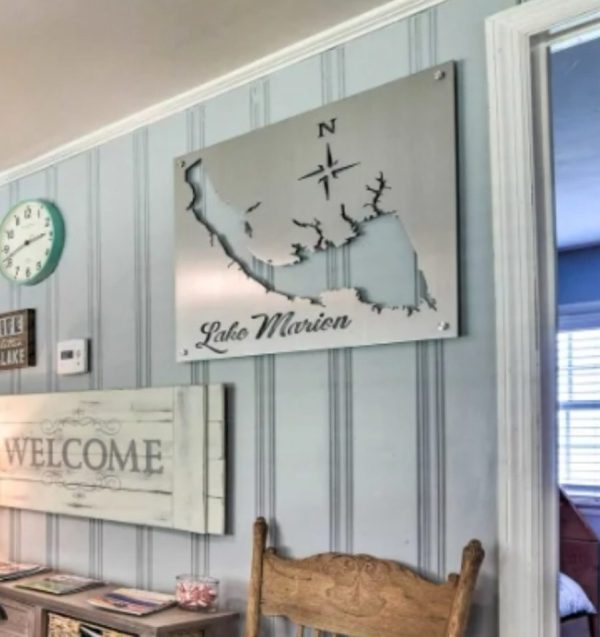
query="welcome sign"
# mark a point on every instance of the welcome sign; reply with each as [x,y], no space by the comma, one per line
[146,456]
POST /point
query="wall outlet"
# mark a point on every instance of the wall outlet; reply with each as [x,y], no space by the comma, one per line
[72,357]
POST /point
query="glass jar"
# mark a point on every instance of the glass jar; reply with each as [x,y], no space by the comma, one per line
[197,592]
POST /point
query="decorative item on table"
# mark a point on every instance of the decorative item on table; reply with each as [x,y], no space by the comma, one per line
[60,584]
[14,570]
[133,601]
[197,592]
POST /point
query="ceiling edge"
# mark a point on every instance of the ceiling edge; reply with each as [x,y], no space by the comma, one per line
[334,36]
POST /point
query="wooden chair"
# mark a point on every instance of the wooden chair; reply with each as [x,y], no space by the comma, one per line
[357,595]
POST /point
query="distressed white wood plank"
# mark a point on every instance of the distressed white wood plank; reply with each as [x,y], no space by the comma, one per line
[153,509]
[137,456]
[216,439]
[189,478]
[140,481]
[216,478]
[215,515]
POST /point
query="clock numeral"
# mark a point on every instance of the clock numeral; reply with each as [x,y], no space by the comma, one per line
[6,248]
[27,213]
[17,270]
[47,222]
[46,251]
[51,234]
[17,220]
[9,262]
[10,234]
[28,272]
[38,266]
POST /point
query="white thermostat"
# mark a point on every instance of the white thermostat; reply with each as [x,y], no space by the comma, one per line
[72,357]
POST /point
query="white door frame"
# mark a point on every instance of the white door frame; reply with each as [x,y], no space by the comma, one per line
[525,313]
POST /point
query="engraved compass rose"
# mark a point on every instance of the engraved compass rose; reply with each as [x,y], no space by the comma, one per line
[327,171]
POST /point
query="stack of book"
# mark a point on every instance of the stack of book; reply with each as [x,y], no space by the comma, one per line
[15,570]
[60,584]
[133,601]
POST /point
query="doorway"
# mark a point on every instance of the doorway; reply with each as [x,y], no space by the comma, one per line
[574,102]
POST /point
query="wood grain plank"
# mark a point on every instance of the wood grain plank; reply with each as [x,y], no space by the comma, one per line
[189,478]
[139,456]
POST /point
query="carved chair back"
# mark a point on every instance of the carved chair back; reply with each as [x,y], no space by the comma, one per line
[357,595]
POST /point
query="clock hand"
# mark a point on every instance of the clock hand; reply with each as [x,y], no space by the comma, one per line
[24,245]
[39,236]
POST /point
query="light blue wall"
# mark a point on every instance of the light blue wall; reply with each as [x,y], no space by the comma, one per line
[579,276]
[389,449]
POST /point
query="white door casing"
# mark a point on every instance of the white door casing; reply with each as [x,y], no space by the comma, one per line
[525,309]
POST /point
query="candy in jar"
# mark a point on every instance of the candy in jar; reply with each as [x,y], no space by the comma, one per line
[197,592]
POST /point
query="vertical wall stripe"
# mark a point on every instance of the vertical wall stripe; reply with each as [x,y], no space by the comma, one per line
[264,366]
[431,457]
[94,266]
[331,279]
[339,362]
[264,376]
[423,463]
[440,421]
[199,370]
[96,549]
[144,558]
[141,258]
[429,362]
[15,535]
[15,388]
[259,361]
[346,385]
[15,378]
[52,335]
[142,311]
[52,540]
[94,274]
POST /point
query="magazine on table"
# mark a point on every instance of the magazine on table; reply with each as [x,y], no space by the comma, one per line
[60,584]
[133,601]
[14,570]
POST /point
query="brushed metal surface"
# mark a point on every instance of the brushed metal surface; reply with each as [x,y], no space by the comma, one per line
[372,175]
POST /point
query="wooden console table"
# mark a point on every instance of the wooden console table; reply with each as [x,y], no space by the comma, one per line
[25,613]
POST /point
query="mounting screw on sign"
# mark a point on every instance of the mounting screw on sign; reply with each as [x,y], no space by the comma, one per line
[439,75]
[183,352]
[443,326]
[181,163]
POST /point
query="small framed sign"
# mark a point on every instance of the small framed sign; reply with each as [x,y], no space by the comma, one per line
[17,339]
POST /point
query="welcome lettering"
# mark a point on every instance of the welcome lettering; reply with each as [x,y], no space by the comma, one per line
[143,456]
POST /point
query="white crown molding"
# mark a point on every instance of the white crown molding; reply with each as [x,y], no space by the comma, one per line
[525,308]
[332,37]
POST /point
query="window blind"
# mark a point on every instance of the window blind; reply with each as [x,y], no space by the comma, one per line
[579,409]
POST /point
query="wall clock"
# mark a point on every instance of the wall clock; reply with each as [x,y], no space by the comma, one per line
[32,235]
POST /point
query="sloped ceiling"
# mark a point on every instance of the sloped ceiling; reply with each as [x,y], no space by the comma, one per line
[69,67]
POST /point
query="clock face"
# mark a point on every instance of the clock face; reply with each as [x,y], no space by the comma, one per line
[31,241]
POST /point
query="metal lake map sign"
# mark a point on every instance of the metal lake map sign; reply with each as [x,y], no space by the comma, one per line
[144,456]
[332,229]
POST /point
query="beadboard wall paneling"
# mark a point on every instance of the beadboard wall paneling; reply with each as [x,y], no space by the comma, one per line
[388,449]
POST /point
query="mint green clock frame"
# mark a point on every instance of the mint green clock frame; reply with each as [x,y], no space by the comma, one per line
[58,240]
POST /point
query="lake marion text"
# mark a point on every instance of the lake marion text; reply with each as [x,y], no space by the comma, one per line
[278,324]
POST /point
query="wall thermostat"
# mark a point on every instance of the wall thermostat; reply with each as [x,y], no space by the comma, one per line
[72,357]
